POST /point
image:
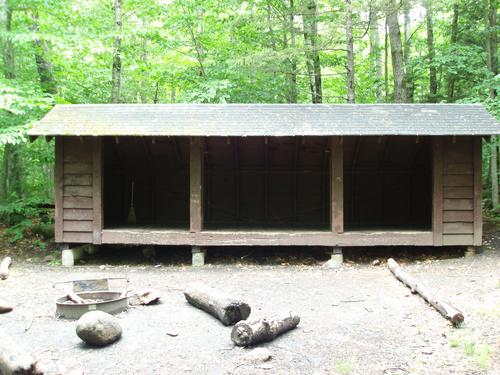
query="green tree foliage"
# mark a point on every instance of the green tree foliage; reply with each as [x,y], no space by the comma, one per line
[225,51]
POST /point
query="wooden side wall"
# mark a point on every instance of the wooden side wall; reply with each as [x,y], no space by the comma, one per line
[78,190]
[457,191]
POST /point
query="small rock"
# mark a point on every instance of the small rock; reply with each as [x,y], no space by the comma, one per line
[5,306]
[427,351]
[172,333]
[149,297]
[98,328]
[451,268]
[48,258]
[376,262]
[258,355]
[102,267]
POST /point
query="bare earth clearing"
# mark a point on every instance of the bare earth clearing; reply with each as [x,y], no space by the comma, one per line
[356,320]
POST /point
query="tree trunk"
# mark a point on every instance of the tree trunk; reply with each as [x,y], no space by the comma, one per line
[492,41]
[293,60]
[448,311]
[407,51]
[247,333]
[398,69]
[386,61]
[11,167]
[430,49]
[44,67]
[227,310]
[116,73]
[375,49]
[310,25]
[454,38]
[351,88]
[494,171]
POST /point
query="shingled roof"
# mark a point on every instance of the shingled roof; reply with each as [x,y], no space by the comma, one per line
[265,120]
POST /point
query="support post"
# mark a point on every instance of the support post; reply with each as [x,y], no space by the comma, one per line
[336,258]
[198,256]
[478,191]
[470,251]
[196,184]
[437,191]
[97,190]
[58,195]
[70,255]
[337,185]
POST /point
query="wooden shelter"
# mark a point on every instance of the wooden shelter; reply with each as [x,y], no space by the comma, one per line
[252,174]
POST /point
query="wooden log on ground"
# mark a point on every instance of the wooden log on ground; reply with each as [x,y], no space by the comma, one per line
[73,297]
[4,267]
[14,360]
[226,309]
[5,306]
[416,286]
[247,333]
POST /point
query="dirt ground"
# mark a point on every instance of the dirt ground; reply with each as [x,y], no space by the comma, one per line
[355,320]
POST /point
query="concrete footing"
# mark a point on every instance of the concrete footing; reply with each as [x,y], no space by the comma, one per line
[336,258]
[470,251]
[198,256]
[70,256]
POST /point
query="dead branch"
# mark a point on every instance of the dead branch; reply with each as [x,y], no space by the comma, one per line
[416,286]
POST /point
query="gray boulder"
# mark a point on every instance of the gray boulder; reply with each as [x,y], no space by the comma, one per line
[98,328]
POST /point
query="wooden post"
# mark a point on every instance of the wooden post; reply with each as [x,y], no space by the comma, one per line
[196,184]
[437,190]
[337,184]
[478,191]
[58,194]
[97,178]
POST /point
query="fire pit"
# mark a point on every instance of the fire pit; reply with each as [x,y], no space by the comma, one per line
[91,295]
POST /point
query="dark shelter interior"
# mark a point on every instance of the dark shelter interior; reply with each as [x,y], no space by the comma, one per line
[252,183]
[387,183]
[158,169]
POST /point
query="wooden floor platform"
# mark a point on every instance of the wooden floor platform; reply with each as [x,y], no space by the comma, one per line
[152,236]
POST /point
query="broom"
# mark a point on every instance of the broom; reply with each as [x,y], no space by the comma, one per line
[131,212]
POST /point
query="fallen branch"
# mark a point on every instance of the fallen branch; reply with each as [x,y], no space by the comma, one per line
[227,310]
[14,360]
[4,267]
[448,311]
[246,333]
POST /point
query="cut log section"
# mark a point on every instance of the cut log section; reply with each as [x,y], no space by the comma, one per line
[73,297]
[15,360]
[416,286]
[5,306]
[229,311]
[4,267]
[246,333]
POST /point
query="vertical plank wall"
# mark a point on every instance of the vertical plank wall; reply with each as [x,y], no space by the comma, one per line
[78,175]
[457,191]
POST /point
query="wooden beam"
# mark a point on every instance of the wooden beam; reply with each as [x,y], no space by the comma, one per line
[97,181]
[196,184]
[437,190]
[58,194]
[478,191]
[141,236]
[337,185]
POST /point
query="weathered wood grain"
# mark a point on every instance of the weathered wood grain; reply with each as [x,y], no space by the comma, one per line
[450,216]
[58,194]
[77,202]
[78,167]
[458,204]
[77,237]
[78,179]
[77,226]
[196,184]
[97,201]
[458,228]
[77,191]
[78,214]
[337,184]
[437,191]
[458,239]
[478,192]
[458,192]
[458,180]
